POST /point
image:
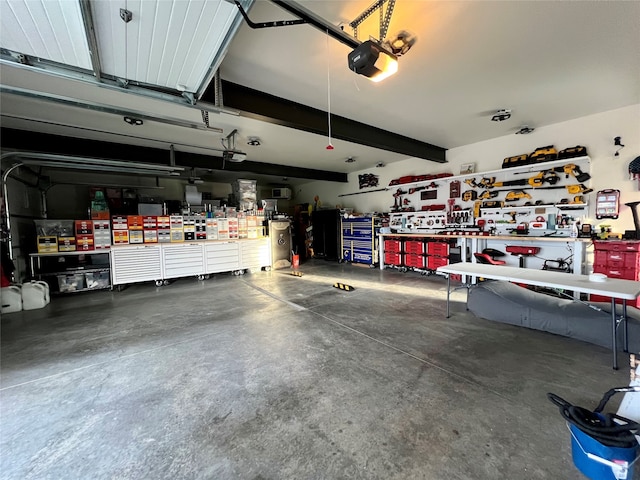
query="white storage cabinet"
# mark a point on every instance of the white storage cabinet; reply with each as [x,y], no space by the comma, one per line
[131,264]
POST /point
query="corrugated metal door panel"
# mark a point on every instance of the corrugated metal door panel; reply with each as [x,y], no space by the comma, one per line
[135,264]
[50,29]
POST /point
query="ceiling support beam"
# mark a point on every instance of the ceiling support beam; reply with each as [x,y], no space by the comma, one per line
[58,144]
[92,39]
[317,21]
[268,108]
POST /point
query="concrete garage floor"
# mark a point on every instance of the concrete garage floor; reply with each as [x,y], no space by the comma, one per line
[271,376]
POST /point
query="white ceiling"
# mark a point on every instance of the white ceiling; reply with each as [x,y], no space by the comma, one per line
[546,61]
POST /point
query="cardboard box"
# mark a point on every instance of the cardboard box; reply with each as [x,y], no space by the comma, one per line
[150,236]
[84,242]
[135,222]
[150,222]
[47,244]
[120,237]
[119,223]
[99,215]
[164,222]
[136,236]
[101,225]
[83,227]
[66,244]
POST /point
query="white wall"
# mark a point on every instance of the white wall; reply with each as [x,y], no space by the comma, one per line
[596,132]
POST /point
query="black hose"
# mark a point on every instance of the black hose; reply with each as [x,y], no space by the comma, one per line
[600,426]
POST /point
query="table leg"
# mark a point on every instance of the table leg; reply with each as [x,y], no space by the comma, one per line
[625,332]
[614,338]
[448,291]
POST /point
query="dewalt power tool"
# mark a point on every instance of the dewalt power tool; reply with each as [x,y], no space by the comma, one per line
[469,195]
[516,195]
[572,189]
[571,169]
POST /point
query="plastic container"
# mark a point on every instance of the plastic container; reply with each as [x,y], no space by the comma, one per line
[35,295]
[10,299]
[600,462]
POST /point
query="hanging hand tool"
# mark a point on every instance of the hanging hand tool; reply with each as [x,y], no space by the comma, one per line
[516,195]
[487,194]
[487,182]
[469,195]
[471,182]
[571,169]
[399,192]
[513,215]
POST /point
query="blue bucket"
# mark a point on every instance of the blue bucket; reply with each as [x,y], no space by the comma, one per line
[595,469]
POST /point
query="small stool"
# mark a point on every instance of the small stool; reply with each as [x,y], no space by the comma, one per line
[521,252]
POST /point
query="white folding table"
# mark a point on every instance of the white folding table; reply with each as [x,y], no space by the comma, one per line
[611,287]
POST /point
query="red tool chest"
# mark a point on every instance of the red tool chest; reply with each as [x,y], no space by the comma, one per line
[617,259]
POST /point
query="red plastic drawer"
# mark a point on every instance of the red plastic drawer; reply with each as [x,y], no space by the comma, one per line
[600,257]
[391,258]
[394,246]
[415,247]
[414,261]
[624,273]
[617,246]
[435,262]
[438,248]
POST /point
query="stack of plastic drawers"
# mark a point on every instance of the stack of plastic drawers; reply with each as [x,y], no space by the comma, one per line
[393,252]
[438,254]
[414,254]
[617,259]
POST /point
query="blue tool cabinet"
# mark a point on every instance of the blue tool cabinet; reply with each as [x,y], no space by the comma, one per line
[360,240]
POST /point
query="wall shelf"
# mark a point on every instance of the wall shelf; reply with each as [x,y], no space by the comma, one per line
[533,169]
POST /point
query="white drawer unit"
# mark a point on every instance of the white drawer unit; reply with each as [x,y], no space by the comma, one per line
[222,257]
[182,260]
[255,254]
[131,264]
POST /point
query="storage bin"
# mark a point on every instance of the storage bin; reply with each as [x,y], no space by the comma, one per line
[415,247]
[35,295]
[71,282]
[97,279]
[414,261]
[10,299]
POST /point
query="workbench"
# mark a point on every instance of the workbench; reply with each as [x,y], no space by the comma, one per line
[611,287]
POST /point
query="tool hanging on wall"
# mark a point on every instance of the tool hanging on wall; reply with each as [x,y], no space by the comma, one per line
[607,203]
[454,189]
[634,170]
[469,195]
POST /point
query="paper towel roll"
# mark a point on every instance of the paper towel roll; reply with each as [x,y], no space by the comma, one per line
[192,196]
